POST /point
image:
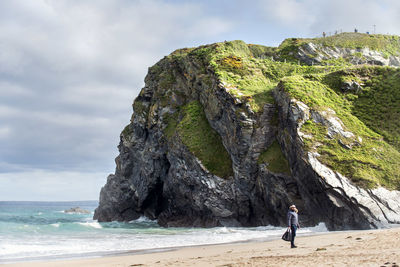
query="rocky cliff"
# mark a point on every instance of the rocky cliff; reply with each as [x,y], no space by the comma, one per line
[230,134]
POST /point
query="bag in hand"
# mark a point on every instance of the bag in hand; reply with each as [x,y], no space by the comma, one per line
[287,236]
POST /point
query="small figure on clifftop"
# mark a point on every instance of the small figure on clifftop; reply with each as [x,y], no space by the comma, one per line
[293,223]
[355,30]
[323,34]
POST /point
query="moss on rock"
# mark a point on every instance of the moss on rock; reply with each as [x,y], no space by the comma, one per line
[251,72]
[275,159]
[374,161]
[387,44]
[197,135]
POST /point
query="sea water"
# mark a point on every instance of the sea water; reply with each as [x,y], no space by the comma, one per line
[42,230]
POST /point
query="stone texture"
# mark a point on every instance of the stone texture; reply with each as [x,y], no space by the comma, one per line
[313,54]
[157,176]
[331,196]
[77,210]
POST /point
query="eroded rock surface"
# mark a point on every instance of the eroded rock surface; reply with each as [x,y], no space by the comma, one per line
[158,174]
[311,53]
[77,210]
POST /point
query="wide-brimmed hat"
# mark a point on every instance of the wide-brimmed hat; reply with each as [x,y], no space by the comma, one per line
[293,206]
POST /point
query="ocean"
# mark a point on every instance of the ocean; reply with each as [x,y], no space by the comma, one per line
[31,231]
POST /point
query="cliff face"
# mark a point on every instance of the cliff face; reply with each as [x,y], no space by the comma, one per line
[227,134]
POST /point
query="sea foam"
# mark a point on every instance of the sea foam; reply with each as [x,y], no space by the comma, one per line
[91,224]
[25,236]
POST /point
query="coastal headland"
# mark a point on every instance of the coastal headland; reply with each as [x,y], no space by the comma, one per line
[231,134]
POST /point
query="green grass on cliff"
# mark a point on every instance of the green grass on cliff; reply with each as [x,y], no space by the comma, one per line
[387,44]
[371,114]
[377,105]
[201,140]
[250,72]
[377,42]
[275,160]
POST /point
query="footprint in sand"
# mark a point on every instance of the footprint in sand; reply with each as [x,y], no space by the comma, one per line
[388,263]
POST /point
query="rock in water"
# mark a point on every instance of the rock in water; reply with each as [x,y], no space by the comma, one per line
[77,210]
[225,135]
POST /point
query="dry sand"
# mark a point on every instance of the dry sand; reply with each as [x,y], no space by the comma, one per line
[357,248]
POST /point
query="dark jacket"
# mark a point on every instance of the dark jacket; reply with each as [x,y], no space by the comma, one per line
[292,218]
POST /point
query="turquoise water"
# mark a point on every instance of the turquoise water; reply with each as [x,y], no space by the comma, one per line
[41,230]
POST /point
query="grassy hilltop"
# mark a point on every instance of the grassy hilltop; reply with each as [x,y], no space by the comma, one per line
[371,113]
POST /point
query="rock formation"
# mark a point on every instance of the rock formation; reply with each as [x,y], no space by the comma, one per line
[231,134]
[77,210]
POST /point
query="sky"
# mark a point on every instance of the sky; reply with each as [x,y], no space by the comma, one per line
[70,70]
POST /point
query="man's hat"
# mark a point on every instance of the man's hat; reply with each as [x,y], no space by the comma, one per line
[293,206]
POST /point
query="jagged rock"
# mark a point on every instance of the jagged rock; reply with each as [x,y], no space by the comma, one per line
[312,54]
[334,124]
[329,188]
[160,178]
[77,210]
[159,175]
[351,86]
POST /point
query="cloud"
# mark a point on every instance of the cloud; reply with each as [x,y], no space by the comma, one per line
[48,185]
[69,72]
[292,13]
[4,132]
[312,17]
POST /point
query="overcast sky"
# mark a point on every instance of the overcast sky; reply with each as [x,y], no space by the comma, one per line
[70,70]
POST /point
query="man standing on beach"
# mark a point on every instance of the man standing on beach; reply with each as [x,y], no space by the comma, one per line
[293,223]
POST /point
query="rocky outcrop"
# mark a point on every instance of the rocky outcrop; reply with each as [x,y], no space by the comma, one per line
[77,210]
[161,176]
[314,54]
[340,203]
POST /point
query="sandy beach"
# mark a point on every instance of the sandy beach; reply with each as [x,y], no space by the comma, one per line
[355,248]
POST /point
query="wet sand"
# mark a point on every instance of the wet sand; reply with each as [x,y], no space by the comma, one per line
[355,248]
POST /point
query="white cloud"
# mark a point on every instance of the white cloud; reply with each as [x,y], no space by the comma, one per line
[312,17]
[94,95]
[42,185]
[70,71]
[8,89]
[290,12]
[8,112]
[5,132]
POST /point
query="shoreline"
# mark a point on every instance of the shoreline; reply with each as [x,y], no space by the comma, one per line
[103,254]
[117,253]
[363,247]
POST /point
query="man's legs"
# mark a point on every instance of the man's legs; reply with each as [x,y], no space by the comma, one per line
[294,229]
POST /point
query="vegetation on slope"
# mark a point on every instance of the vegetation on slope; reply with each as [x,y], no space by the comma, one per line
[387,44]
[377,105]
[274,158]
[201,140]
[251,72]
[370,113]
[374,160]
